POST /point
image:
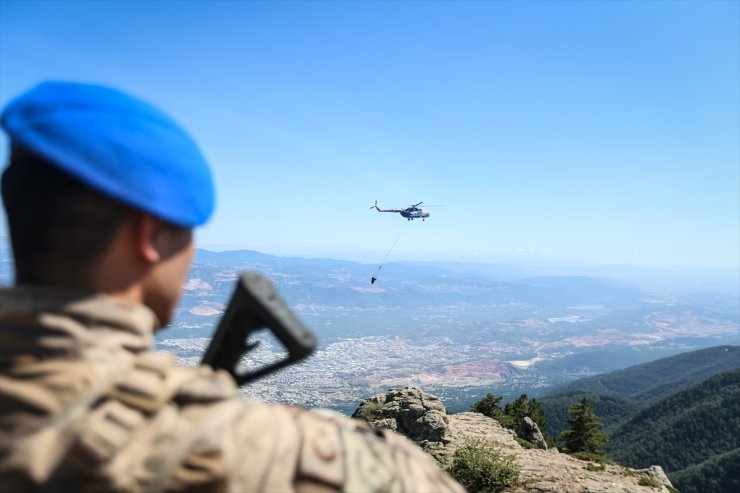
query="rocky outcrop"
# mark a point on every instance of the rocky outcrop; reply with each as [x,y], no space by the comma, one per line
[423,417]
[409,411]
[531,432]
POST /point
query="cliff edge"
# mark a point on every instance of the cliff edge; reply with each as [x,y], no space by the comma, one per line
[422,418]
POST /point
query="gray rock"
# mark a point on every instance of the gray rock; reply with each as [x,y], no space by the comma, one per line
[416,414]
[531,432]
[655,472]
[383,424]
[431,427]
[413,410]
[392,408]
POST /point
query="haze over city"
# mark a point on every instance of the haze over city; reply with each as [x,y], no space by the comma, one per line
[573,132]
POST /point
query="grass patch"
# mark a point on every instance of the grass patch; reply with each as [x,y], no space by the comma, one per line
[645,481]
[524,443]
[592,457]
[595,467]
[370,411]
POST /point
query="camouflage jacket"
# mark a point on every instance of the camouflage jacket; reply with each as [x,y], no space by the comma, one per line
[85,405]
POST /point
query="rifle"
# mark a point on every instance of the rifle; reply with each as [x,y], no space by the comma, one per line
[256,305]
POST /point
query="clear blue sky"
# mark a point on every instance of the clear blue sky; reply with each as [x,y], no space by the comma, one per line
[595,132]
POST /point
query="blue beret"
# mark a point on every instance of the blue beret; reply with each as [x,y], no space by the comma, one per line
[116,144]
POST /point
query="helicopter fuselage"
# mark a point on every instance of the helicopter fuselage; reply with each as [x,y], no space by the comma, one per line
[410,213]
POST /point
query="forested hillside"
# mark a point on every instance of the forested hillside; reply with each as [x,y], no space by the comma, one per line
[720,474]
[687,428]
[613,411]
[681,412]
[618,396]
[660,378]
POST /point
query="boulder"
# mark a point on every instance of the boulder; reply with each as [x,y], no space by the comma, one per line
[531,432]
[409,411]
[386,424]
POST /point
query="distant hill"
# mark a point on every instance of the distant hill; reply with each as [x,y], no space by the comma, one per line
[524,291]
[662,377]
[334,283]
[683,426]
[681,412]
[719,474]
[619,395]
[602,360]
[613,411]
[694,433]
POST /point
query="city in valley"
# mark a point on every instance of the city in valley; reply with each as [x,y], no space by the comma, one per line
[454,335]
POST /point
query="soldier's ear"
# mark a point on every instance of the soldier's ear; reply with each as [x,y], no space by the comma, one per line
[158,240]
[148,231]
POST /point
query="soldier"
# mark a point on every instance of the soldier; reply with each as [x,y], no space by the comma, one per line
[101,193]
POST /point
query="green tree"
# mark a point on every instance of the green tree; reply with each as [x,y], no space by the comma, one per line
[584,434]
[522,407]
[490,405]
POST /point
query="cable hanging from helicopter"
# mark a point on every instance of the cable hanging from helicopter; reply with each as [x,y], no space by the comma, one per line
[375,276]
[410,213]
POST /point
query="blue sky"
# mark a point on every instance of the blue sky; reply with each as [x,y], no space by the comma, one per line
[592,132]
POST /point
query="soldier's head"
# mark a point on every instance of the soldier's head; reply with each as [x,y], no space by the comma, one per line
[101,193]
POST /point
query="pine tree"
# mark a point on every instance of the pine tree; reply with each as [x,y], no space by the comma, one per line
[490,405]
[584,434]
[522,407]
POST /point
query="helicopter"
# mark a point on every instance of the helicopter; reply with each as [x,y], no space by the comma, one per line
[410,213]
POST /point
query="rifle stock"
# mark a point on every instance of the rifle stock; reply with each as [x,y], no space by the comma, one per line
[255,305]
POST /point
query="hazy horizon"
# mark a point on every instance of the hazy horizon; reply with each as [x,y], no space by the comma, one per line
[522,257]
[652,279]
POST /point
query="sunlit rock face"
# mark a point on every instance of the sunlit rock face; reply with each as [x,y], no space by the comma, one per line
[418,415]
[422,417]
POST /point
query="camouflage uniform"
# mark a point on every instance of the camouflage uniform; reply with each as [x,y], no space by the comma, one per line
[85,405]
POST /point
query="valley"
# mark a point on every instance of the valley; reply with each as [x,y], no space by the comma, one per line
[455,334]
